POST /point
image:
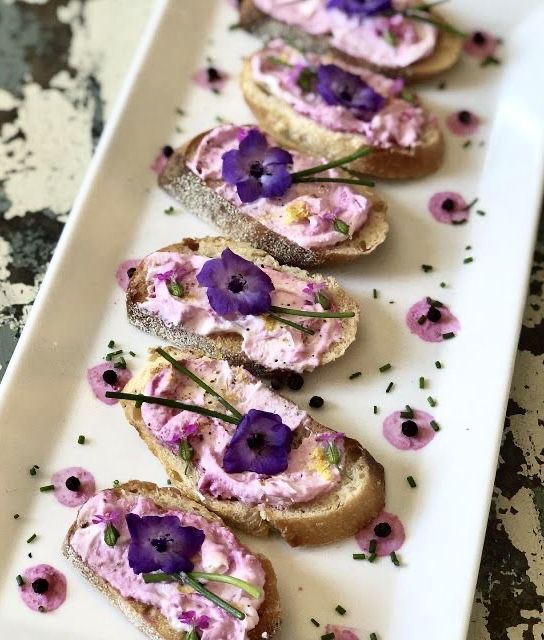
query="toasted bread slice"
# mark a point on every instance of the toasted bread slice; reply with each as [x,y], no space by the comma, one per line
[339,514]
[200,198]
[297,131]
[228,346]
[445,55]
[146,618]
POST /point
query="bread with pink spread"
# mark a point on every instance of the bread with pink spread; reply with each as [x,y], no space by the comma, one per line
[405,138]
[82,545]
[260,343]
[442,53]
[312,502]
[261,223]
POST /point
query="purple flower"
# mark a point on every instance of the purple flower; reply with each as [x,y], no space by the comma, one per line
[256,169]
[313,288]
[339,87]
[363,8]
[235,285]
[107,518]
[261,443]
[160,543]
[190,618]
[161,277]
[330,438]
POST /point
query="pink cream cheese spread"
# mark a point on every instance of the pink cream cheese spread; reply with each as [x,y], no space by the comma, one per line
[308,474]
[220,553]
[265,341]
[305,214]
[398,123]
[361,38]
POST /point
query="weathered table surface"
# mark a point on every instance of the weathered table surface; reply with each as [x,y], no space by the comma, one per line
[61,65]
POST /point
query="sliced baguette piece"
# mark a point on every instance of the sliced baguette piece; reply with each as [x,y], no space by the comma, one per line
[297,131]
[228,346]
[190,190]
[353,504]
[445,55]
[146,618]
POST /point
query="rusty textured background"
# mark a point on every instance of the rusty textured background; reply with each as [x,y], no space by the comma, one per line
[61,62]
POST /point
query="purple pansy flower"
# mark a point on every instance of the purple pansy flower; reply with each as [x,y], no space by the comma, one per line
[190,618]
[235,285]
[261,443]
[160,543]
[339,87]
[256,169]
[363,8]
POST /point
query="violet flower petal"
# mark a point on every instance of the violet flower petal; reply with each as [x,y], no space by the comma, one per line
[249,190]
[363,8]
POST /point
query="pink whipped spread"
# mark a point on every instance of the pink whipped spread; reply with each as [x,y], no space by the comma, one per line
[361,38]
[399,123]
[308,474]
[220,553]
[264,340]
[305,214]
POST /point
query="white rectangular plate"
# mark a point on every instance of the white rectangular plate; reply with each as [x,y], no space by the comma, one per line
[46,403]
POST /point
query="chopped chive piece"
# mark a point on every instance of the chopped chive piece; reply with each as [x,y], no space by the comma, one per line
[422,382]
[132,354]
[489,61]
[434,303]
[340,609]
[390,38]
[480,212]
[434,424]
[354,375]
[394,559]
[374,293]
[408,414]
[426,267]
[411,481]
[169,211]
[385,367]
[328,636]
[359,556]
[32,471]
[120,364]
[467,143]
[438,364]
[315,622]
[81,440]
[372,557]
[443,285]
[389,387]
[110,356]
[16,516]
[116,483]
[32,538]
[372,546]
[468,247]
[47,487]
[431,401]
[422,319]
[448,336]
[471,204]
[468,260]
[341,226]
[234,26]
[20,581]
[373,636]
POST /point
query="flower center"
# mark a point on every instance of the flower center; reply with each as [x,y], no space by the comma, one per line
[237,283]
[161,544]
[256,170]
[256,441]
[346,94]
[382,530]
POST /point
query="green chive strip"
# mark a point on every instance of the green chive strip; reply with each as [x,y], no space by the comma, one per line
[385,367]
[315,622]
[468,260]
[432,401]
[340,610]
[422,382]
[443,26]
[19,580]
[81,439]
[361,182]
[372,546]
[389,387]
[372,557]
[47,487]
[409,413]
[295,325]
[448,336]
[359,556]
[111,344]
[328,636]
[438,364]
[435,426]
[175,404]
[32,538]
[356,374]
[426,267]
[312,314]
[189,374]
[375,410]
[375,293]
[331,165]
[411,481]
[249,588]
[373,636]
[394,559]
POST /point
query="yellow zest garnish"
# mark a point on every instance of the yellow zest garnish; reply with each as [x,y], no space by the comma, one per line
[297,211]
[270,324]
[183,588]
[320,463]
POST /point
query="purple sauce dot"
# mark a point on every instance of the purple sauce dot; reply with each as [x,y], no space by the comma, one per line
[44,588]
[97,376]
[463,123]
[449,207]
[417,320]
[210,78]
[124,272]
[481,44]
[385,545]
[73,486]
[403,434]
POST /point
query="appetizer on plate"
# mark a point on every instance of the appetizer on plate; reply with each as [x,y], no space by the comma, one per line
[318,106]
[172,567]
[250,455]
[286,203]
[238,304]
[399,37]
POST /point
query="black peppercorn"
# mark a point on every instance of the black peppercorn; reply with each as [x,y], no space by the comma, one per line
[316,402]
[448,204]
[295,381]
[40,585]
[464,116]
[130,272]
[409,428]
[478,38]
[167,151]
[72,483]
[276,383]
[382,530]
[433,314]
[110,377]
[213,74]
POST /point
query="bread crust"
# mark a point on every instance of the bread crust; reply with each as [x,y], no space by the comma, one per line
[228,346]
[146,618]
[200,198]
[299,132]
[445,55]
[349,507]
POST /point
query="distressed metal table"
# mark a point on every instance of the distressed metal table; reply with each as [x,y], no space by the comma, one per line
[61,65]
